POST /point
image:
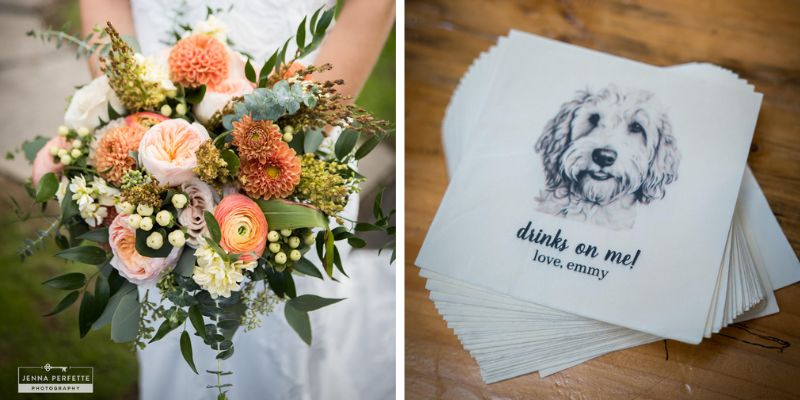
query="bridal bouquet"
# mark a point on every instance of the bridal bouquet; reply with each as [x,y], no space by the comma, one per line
[191,174]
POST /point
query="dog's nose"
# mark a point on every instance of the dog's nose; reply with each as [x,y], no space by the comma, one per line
[604,157]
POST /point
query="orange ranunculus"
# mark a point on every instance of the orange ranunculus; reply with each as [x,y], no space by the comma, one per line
[144,120]
[242,225]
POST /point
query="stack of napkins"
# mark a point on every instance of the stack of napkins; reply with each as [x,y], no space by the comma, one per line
[597,204]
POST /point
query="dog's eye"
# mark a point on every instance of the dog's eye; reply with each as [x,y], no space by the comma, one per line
[635,127]
[594,119]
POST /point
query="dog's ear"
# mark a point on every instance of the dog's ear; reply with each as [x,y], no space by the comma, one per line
[663,167]
[556,137]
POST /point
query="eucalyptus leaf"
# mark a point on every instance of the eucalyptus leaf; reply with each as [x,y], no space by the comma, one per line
[312,141]
[32,147]
[125,323]
[186,263]
[108,313]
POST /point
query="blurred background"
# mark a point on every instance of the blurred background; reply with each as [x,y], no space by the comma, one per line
[37,79]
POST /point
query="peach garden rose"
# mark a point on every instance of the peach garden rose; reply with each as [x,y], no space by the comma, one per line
[168,149]
[131,265]
[242,225]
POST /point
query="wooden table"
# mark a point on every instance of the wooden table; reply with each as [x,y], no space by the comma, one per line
[760,40]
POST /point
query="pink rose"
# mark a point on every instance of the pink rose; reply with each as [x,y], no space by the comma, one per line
[167,150]
[215,99]
[136,268]
[45,162]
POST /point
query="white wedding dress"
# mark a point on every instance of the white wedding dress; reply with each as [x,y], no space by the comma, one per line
[352,355]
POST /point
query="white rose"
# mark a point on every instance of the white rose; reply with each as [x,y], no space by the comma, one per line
[213,27]
[90,103]
[215,100]
[168,149]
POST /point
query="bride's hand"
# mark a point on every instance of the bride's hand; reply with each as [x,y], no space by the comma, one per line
[355,42]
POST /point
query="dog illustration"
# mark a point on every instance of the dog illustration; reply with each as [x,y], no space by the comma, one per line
[604,154]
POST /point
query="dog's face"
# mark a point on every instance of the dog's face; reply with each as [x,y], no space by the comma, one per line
[606,145]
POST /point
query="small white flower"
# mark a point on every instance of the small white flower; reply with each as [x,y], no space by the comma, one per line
[54,150]
[63,130]
[294,242]
[75,153]
[62,189]
[146,224]
[273,236]
[164,217]
[134,221]
[280,258]
[288,129]
[66,159]
[177,238]
[287,137]
[180,109]
[93,214]
[144,210]
[83,131]
[155,241]
[81,192]
[295,255]
[179,200]
[166,110]
[62,152]
[155,71]
[286,232]
[105,194]
[310,239]
[77,143]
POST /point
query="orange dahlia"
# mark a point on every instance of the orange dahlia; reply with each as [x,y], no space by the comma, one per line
[112,157]
[198,60]
[255,140]
[274,178]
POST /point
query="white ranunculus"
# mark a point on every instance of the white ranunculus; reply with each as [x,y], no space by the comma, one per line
[156,69]
[90,103]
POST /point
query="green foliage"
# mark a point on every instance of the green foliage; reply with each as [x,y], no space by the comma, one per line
[213,226]
[84,254]
[48,185]
[283,214]
[186,350]
[125,323]
[283,98]
[87,46]
[69,281]
[31,147]
[345,144]
[296,312]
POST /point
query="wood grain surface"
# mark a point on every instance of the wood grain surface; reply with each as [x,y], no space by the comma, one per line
[760,40]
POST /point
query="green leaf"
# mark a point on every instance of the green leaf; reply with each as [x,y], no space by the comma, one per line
[232,160]
[108,313]
[299,321]
[250,72]
[307,267]
[64,303]
[195,96]
[163,329]
[69,208]
[112,113]
[125,323]
[186,350]
[283,214]
[86,314]
[31,147]
[143,249]
[329,253]
[356,242]
[224,356]
[213,226]
[324,22]
[70,281]
[263,75]
[196,317]
[312,140]
[186,263]
[365,227]
[282,54]
[102,292]
[47,188]
[310,302]
[85,254]
[314,17]
[99,235]
[345,144]
[301,34]
[377,211]
[368,146]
